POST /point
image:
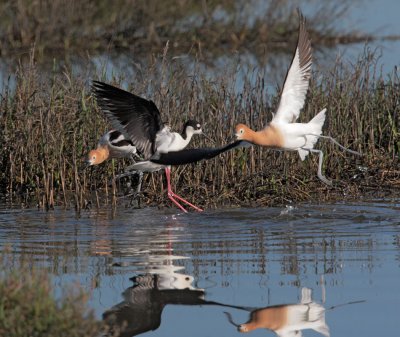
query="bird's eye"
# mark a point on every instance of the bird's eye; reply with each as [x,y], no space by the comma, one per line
[241,131]
[94,157]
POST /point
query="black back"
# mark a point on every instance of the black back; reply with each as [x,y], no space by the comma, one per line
[188,156]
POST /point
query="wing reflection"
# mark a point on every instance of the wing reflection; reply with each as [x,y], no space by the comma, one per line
[289,319]
[145,300]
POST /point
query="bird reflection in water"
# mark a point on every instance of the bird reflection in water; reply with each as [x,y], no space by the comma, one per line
[159,282]
[288,320]
[144,302]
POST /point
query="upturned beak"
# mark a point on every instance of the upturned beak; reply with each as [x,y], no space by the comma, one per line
[233,138]
[88,162]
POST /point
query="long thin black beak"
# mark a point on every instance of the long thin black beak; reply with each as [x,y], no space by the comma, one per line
[229,317]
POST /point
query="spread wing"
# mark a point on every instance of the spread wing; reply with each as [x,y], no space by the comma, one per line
[137,118]
[297,79]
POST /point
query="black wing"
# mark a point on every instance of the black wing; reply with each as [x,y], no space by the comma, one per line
[137,118]
[194,155]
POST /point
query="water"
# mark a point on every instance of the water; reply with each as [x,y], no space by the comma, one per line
[378,18]
[236,258]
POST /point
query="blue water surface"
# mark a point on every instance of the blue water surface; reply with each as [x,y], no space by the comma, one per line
[247,258]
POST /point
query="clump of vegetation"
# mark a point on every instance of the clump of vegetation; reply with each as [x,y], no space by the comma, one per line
[49,122]
[209,27]
[28,307]
[49,126]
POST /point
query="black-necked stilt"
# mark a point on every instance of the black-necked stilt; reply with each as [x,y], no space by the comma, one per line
[186,156]
[139,120]
[139,123]
[282,132]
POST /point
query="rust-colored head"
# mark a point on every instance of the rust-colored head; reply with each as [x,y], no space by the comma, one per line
[97,156]
[243,132]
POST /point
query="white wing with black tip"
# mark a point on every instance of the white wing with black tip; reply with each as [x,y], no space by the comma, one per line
[297,79]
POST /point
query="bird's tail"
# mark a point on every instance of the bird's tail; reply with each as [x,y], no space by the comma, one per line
[314,130]
[319,120]
[316,316]
[322,328]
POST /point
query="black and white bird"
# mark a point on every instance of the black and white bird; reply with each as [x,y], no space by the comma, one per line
[182,157]
[140,131]
[139,120]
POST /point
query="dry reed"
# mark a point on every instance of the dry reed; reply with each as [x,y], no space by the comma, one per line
[49,126]
[212,27]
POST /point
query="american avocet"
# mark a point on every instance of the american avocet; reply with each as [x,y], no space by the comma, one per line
[112,144]
[183,157]
[288,319]
[282,132]
[139,122]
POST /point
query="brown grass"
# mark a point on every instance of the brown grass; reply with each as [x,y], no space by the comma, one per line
[209,27]
[48,126]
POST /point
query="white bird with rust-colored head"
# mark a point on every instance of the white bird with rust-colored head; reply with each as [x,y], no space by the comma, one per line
[283,132]
[289,320]
[112,144]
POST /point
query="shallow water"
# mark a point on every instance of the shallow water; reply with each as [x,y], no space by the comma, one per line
[191,268]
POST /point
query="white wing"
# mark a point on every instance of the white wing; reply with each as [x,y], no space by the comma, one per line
[306,295]
[164,138]
[297,79]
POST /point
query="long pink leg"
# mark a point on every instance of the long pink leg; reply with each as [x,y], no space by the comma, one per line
[172,195]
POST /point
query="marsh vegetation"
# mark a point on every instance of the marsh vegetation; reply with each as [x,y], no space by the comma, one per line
[210,28]
[48,129]
[50,121]
[29,307]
